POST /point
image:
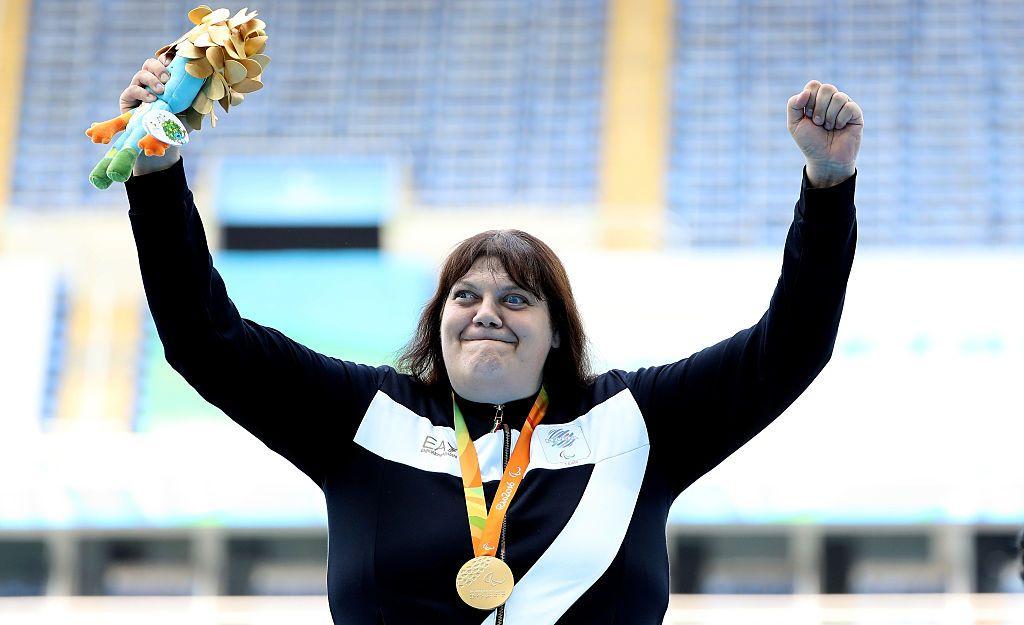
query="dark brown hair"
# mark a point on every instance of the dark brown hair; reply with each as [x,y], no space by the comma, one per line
[531,265]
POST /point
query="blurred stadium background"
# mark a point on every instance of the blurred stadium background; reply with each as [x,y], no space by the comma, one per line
[645,141]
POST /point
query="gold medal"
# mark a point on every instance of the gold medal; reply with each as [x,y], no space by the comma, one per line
[485,582]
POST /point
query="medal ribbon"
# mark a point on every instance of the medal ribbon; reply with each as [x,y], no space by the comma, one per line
[484,527]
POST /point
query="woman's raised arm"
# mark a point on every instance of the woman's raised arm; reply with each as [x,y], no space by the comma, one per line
[701,409]
[300,403]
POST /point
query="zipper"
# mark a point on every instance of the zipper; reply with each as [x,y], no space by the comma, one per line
[499,414]
[505,452]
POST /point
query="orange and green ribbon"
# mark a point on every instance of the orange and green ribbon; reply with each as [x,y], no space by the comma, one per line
[484,527]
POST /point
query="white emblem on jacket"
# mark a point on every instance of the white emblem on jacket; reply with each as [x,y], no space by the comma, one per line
[565,444]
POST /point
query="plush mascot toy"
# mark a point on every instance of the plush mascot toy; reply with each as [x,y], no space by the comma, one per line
[220,59]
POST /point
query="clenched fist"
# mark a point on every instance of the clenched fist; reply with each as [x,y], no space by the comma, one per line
[826,125]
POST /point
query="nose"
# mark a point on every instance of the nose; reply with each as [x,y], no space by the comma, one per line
[487,314]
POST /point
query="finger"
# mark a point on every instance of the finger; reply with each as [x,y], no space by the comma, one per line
[834,105]
[137,93]
[825,93]
[795,106]
[157,70]
[850,113]
[155,85]
[813,87]
[154,66]
[145,78]
[137,78]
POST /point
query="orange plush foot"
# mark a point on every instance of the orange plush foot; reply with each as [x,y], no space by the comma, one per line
[103,132]
[152,146]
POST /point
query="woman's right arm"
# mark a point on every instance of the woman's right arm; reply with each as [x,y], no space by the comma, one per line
[300,403]
[702,408]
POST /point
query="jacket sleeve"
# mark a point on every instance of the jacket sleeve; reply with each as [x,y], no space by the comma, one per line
[701,409]
[300,403]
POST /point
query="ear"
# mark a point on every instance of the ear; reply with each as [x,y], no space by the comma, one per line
[555,339]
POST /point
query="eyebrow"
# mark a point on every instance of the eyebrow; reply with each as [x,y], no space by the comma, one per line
[508,286]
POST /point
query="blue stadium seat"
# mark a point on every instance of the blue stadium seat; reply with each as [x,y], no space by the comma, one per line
[490,101]
[940,156]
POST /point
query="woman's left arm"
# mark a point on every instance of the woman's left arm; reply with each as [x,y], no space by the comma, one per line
[701,409]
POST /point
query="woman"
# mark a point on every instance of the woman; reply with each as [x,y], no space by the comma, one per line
[436,513]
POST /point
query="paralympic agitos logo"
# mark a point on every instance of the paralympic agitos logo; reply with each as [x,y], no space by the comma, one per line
[565,444]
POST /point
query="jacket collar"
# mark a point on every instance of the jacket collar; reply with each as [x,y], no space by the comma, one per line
[480,415]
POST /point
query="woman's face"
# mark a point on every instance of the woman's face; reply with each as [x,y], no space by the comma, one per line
[495,335]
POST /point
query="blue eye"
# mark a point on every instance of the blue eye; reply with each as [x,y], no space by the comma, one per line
[522,300]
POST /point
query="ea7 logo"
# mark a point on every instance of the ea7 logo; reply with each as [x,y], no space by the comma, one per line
[439,447]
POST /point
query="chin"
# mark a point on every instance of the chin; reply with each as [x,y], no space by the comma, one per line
[488,369]
[484,367]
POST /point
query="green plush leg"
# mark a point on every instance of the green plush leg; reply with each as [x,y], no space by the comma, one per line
[120,169]
[98,177]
